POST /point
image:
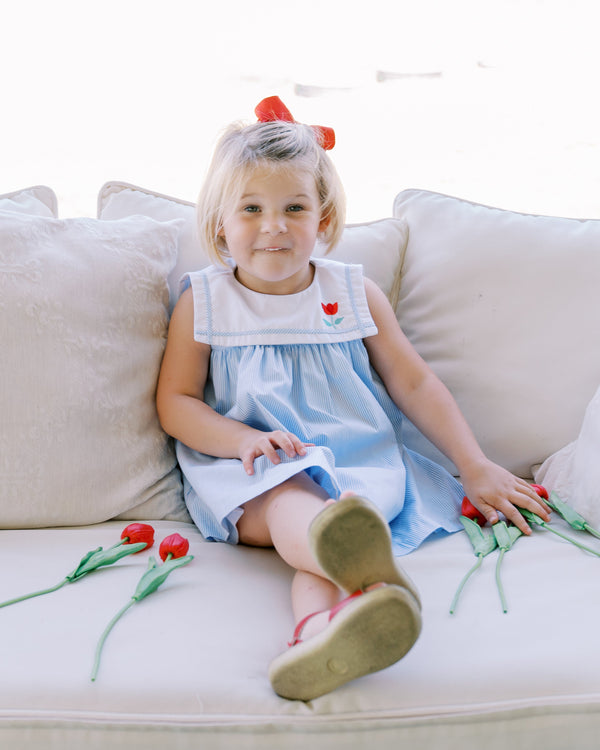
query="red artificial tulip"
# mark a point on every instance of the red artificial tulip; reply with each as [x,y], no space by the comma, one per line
[137,533]
[174,545]
[541,491]
[470,511]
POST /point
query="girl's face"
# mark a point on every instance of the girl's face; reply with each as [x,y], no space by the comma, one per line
[272,231]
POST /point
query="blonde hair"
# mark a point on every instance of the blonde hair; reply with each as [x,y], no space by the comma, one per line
[272,145]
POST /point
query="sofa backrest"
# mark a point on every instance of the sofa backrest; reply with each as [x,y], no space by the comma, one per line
[503,306]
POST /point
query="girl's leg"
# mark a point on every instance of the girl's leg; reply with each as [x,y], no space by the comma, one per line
[280,518]
[370,633]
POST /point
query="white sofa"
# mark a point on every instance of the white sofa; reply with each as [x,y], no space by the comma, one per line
[505,308]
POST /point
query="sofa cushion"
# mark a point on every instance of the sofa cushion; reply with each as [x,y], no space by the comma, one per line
[504,307]
[118,200]
[84,312]
[187,666]
[573,472]
[39,201]
[377,245]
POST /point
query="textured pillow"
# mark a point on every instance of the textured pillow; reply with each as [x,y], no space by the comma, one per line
[84,319]
[505,308]
[118,200]
[38,200]
[574,471]
[377,245]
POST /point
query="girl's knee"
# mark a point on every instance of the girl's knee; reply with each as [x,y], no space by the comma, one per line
[252,525]
[296,494]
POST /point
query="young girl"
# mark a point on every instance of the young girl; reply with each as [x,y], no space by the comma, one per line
[284,381]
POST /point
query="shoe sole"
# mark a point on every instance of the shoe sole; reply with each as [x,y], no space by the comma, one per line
[352,543]
[371,633]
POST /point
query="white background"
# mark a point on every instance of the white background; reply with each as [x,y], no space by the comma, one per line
[496,101]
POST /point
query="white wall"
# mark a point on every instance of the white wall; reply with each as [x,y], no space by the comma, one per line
[138,90]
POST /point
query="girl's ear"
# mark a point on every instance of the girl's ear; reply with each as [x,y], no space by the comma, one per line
[325,222]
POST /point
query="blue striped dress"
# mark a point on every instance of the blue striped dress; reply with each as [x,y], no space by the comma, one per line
[298,363]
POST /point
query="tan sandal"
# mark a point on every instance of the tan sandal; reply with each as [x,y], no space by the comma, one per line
[352,543]
[366,633]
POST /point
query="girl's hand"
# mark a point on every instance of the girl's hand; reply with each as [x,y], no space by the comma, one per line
[267,444]
[490,488]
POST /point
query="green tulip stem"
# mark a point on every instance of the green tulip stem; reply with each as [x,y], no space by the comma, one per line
[104,636]
[570,539]
[154,576]
[463,582]
[90,561]
[35,593]
[499,581]
[571,516]
[591,530]
[533,518]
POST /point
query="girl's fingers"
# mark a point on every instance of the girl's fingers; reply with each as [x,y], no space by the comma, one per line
[268,445]
[509,507]
[248,465]
[533,502]
[289,443]
[512,514]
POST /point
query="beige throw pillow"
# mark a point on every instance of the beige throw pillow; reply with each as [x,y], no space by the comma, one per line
[84,320]
[505,308]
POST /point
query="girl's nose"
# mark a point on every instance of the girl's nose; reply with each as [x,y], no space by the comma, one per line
[273,223]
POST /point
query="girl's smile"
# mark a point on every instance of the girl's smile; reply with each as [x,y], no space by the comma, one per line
[271,232]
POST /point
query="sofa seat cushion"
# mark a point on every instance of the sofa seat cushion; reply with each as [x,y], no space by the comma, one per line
[188,664]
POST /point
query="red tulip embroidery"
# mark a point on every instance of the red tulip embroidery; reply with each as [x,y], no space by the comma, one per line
[135,538]
[331,309]
[173,550]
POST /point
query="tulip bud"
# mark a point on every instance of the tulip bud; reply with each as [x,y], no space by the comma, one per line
[174,545]
[138,532]
[470,511]
[541,491]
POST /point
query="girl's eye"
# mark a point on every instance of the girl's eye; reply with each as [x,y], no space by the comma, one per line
[251,209]
[296,208]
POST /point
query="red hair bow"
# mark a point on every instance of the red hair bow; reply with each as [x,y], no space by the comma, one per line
[272,109]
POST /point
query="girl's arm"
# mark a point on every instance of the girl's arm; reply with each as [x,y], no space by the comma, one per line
[183,413]
[426,401]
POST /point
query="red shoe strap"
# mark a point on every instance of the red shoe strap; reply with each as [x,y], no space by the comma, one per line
[300,626]
[332,613]
[344,603]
